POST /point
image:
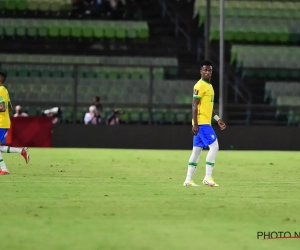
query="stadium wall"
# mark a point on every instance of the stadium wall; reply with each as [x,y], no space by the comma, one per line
[173,137]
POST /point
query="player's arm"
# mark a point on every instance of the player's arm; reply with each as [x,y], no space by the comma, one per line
[196,102]
[214,113]
[221,124]
[2,102]
[2,106]
[10,107]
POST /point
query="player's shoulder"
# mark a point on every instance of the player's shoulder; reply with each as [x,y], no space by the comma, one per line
[202,84]
[2,88]
[198,84]
[3,91]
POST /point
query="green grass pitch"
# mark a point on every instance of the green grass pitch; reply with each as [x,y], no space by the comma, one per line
[98,199]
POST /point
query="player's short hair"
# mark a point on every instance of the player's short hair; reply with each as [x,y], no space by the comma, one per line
[206,63]
[4,75]
[97,98]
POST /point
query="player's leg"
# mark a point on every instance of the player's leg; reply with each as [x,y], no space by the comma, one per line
[210,138]
[210,163]
[193,161]
[22,151]
[7,149]
[192,166]
[4,170]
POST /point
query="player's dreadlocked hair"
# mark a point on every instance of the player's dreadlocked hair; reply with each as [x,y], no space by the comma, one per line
[206,63]
[4,75]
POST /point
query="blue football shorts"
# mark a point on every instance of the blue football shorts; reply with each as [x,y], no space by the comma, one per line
[3,132]
[205,137]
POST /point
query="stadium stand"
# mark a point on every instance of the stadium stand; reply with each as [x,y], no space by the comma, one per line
[283,94]
[254,21]
[278,89]
[264,8]
[261,41]
[64,9]
[111,82]
[64,29]
[67,59]
[49,89]
[252,30]
[61,89]
[130,67]
[49,26]
[41,5]
[278,61]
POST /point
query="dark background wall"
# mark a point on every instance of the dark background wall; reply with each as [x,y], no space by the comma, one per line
[174,137]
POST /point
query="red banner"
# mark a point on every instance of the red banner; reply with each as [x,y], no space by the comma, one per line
[30,132]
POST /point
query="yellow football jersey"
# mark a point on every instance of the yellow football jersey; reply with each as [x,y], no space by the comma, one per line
[4,116]
[205,92]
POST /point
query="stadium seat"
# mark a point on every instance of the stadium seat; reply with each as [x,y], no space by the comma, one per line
[257,30]
[112,73]
[255,9]
[291,101]
[178,92]
[129,69]
[112,90]
[278,89]
[255,21]
[278,61]
[114,60]
[41,89]
[63,29]
[62,89]
[35,5]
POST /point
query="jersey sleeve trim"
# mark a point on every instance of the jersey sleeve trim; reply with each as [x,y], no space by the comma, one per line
[1,99]
[196,96]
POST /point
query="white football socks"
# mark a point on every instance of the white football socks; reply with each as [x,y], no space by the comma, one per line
[210,158]
[2,164]
[193,162]
[6,149]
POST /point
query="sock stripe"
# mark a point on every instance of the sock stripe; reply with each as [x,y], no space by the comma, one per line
[210,163]
[8,149]
[1,160]
[193,164]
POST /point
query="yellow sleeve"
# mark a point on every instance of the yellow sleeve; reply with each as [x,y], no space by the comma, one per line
[2,96]
[198,91]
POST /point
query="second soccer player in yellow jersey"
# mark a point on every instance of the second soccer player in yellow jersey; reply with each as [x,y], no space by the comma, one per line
[204,135]
[5,107]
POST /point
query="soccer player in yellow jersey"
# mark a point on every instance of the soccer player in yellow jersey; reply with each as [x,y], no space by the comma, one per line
[5,107]
[204,135]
